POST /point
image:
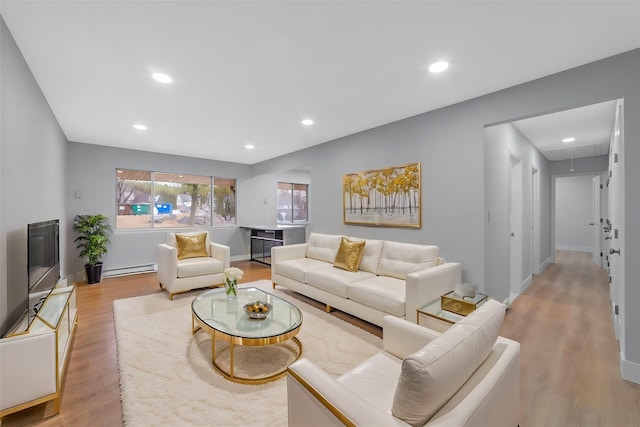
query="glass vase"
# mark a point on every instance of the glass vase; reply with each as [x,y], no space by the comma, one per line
[231,288]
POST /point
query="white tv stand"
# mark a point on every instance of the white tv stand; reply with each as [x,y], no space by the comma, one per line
[33,359]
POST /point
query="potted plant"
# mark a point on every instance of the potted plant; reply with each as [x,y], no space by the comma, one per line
[93,242]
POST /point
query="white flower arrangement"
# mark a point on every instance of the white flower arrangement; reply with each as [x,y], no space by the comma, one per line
[233,274]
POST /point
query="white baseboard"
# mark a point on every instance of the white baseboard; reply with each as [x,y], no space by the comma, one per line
[574,248]
[527,282]
[630,370]
[544,265]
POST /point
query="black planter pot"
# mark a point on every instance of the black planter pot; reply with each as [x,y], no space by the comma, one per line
[94,273]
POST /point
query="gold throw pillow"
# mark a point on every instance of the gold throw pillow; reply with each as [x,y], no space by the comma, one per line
[349,255]
[191,245]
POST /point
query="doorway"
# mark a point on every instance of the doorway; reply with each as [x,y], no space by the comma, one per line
[515,229]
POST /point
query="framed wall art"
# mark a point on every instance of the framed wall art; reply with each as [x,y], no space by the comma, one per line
[387,197]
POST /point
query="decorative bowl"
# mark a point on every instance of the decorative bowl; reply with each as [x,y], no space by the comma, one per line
[257,310]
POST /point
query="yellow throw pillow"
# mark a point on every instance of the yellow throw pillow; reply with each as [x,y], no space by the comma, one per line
[191,246]
[349,255]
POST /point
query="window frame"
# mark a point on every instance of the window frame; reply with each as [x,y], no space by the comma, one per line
[213,183]
[292,210]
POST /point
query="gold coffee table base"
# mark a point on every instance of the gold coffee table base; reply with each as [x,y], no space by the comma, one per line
[252,342]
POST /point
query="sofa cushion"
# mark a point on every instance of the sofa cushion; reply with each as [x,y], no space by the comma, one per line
[398,259]
[371,254]
[171,239]
[191,245]
[430,376]
[297,268]
[349,254]
[192,267]
[383,293]
[323,247]
[335,280]
[374,380]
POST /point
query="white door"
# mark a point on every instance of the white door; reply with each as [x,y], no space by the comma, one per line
[616,215]
[595,224]
[535,221]
[515,229]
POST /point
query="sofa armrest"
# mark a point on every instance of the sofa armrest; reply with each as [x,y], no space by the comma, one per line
[491,396]
[221,253]
[402,338]
[167,263]
[316,399]
[283,253]
[429,284]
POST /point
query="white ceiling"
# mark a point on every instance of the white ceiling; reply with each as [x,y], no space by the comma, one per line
[590,126]
[248,72]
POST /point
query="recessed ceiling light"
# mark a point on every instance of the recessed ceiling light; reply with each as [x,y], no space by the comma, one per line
[249,146]
[438,67]
[162,78]
[307,122]
[140,127]
[570,139]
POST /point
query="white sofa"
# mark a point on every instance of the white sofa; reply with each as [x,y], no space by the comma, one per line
[393,278]
[466,376]
[183,275]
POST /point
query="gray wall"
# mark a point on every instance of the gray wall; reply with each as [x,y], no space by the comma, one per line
[502,142]
[92,171]
[574,205]
[449,143]
[32,173]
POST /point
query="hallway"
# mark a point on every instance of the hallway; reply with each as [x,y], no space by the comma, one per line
[570,370]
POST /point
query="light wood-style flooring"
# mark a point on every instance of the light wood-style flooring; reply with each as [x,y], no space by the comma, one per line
[570,373]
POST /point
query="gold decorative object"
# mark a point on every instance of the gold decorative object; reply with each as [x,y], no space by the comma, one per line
[461,305]
[349,255]
[387,197]
[191,245]
[257,310]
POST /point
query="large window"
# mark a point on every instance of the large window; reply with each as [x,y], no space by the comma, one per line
[147,199]
[292,202]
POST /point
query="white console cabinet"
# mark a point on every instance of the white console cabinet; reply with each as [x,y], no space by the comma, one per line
[33,361]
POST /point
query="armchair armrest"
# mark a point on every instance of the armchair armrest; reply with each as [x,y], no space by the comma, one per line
[316,399]
[167,263]
[402,338]
[222,253]
[429,284]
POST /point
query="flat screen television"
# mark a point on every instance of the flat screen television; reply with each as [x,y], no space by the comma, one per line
[43,272]
[43,255]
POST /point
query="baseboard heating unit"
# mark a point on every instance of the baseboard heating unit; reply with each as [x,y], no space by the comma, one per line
[124,271]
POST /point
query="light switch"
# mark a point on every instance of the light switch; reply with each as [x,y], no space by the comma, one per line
[78,194]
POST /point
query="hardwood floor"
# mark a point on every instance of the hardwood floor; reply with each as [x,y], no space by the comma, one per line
[570,373]
[569,367]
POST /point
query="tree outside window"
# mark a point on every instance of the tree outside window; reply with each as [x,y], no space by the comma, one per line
[148,199]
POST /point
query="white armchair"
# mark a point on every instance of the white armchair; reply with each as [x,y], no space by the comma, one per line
[466,376]
[182,275]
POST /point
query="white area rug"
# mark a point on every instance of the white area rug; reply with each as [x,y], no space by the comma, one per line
[166,377]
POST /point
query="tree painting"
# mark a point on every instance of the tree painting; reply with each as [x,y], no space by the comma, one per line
[383,197]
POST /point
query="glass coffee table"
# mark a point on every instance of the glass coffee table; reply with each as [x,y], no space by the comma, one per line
[226,320]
